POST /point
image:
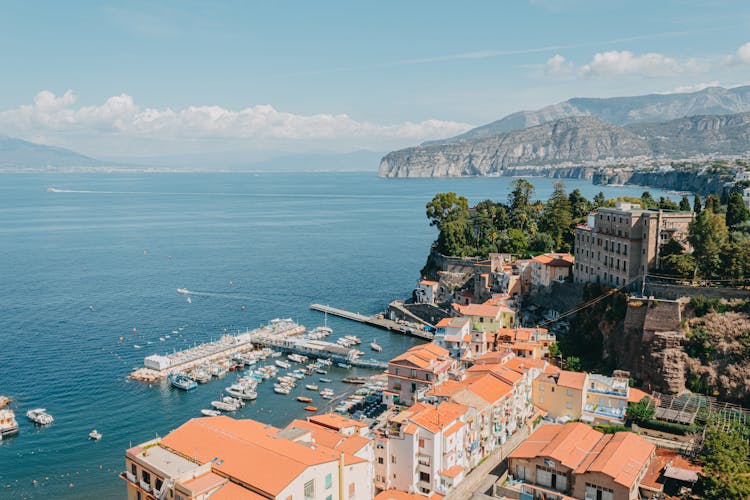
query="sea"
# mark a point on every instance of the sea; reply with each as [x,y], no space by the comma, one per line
[89,258]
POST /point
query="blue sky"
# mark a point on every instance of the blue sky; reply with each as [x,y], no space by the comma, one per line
[161,78]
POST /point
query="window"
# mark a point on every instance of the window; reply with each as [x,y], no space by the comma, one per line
[351,490]
[541,399]
[137,495]
[541,387]
[414,374]
[569,405]
[423,476]
[397,387]
[134,470]
[569,392]
[413,387]
[310,490]
[329,497]
[158,484]
[380,460]
[421,443]
[146,477]
[393,459]
[329,480]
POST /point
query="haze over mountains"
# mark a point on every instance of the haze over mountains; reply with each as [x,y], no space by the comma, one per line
[713,120]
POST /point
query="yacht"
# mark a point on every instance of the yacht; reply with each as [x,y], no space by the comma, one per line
[182,381]
[40,416]
[241,391]
[224,406]
[183,291]
[95,435]
[211,413]
[8,424]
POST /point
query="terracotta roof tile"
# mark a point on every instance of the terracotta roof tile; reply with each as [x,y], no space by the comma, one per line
[573,380]
[233,491]
[452,471]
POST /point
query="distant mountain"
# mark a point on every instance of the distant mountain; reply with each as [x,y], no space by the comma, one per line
[621,110]
[24,154]
[572,140]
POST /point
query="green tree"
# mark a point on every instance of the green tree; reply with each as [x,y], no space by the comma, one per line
[554,350]
[599,200]
[708,233]
[541,242]
[736,210]
[579,205]
[697,206]
[685,204]
[712,203]
[642,411]
[726,473]
[735,259]
[446,207]
[519,202]
[512,241]
[682,265]
[556,218]
[667,204]
[671,247]
[455,238]
[573,363]
[648,201]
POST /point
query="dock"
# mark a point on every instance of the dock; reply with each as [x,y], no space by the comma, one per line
[378,321]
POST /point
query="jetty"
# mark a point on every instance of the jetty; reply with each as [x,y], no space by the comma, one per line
[377,320]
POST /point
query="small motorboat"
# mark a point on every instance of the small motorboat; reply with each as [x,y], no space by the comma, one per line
[326,380]
[322,372]
[40,416]
[95,435]
[311,408]
[355,380]
[375,346]
[311,387]
[183,291]
[345,366]
[182,381]
[303,399]
[136,346]
[211,413]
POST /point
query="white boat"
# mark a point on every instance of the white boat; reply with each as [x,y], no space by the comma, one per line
[223,406]
[241,391]
[183,291]
[375,346]
[280,389]
[233,401]
[40,416]
[311,387]
[96,436]
[211,413]
[8,424]
[282,364]
[136,346]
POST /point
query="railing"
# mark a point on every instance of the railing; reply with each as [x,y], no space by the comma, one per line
[145,486]
[618,413]
[622,394]
[423,460]
[131,477]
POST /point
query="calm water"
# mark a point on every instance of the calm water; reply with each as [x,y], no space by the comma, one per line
[124,243]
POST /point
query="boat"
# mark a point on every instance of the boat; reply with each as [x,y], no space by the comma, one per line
[355,380]
[233,401]
[327,395]
[40,416]
[182,381]
[282,364]
[96,436]
[326,380]
[224,406]
[311,387]
[303,399]
[322,372]
[161,339]
[201,375]
[241,391]
[136,346]
[326,362]
[344,365]
[8,424]
[280,389]
[211,413]
[311,408]
[375,346]
[183,291]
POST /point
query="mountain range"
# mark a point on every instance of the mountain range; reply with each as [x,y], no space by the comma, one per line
[711,121]
[23,154]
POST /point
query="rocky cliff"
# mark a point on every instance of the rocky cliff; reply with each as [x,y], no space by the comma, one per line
[573,140]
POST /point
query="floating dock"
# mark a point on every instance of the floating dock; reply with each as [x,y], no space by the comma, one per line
[378,321]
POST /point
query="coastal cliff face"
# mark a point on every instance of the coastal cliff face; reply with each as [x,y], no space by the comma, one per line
[703,184]
[573,139]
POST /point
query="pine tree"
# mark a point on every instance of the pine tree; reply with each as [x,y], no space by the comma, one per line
[685,204]
[736,210]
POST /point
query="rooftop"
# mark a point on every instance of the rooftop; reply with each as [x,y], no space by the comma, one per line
[163,460]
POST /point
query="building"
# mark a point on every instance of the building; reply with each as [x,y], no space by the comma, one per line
[488,317]
[550,268]
[592,398]
[454,335]
[224,458]
[415,370]
[618,245]
[426,292]
[576,460]
[422,449]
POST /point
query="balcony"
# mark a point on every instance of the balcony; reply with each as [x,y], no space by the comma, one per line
[621,394]
[605,411]
[423,460]
[131,477]
[145,486]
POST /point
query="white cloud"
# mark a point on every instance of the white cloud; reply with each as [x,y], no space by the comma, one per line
[619,63]
[741,56]
[557,65]
[121,116]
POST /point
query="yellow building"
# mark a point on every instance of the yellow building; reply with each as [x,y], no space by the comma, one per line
[488,317]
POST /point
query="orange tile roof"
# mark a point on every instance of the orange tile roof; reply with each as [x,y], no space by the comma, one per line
[233,491]
[204,483]
[453,428]
[467,337]
[492,357]
[574,380]
[446,389]
[502,372]
[522,365]
[452,471]
[247,450]
[421,356]
[443,323]
[489,388]
[569,444]
[402,495]
[481,310]
[428,282]
[555,260]
[622,458]
[635,395]
[335,421]
[329,438]
[435,418]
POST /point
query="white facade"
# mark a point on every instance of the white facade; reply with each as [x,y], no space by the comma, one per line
[157,362]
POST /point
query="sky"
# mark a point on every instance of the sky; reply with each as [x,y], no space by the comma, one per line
[157,79]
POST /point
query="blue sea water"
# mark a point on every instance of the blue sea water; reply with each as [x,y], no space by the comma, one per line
[123,244]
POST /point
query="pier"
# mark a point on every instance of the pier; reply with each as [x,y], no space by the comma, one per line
[378,321]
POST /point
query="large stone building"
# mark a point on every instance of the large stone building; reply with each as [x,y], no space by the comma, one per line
[618,245]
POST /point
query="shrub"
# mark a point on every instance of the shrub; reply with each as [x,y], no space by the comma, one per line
[668,427]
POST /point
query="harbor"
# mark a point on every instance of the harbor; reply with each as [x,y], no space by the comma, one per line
[378,321]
